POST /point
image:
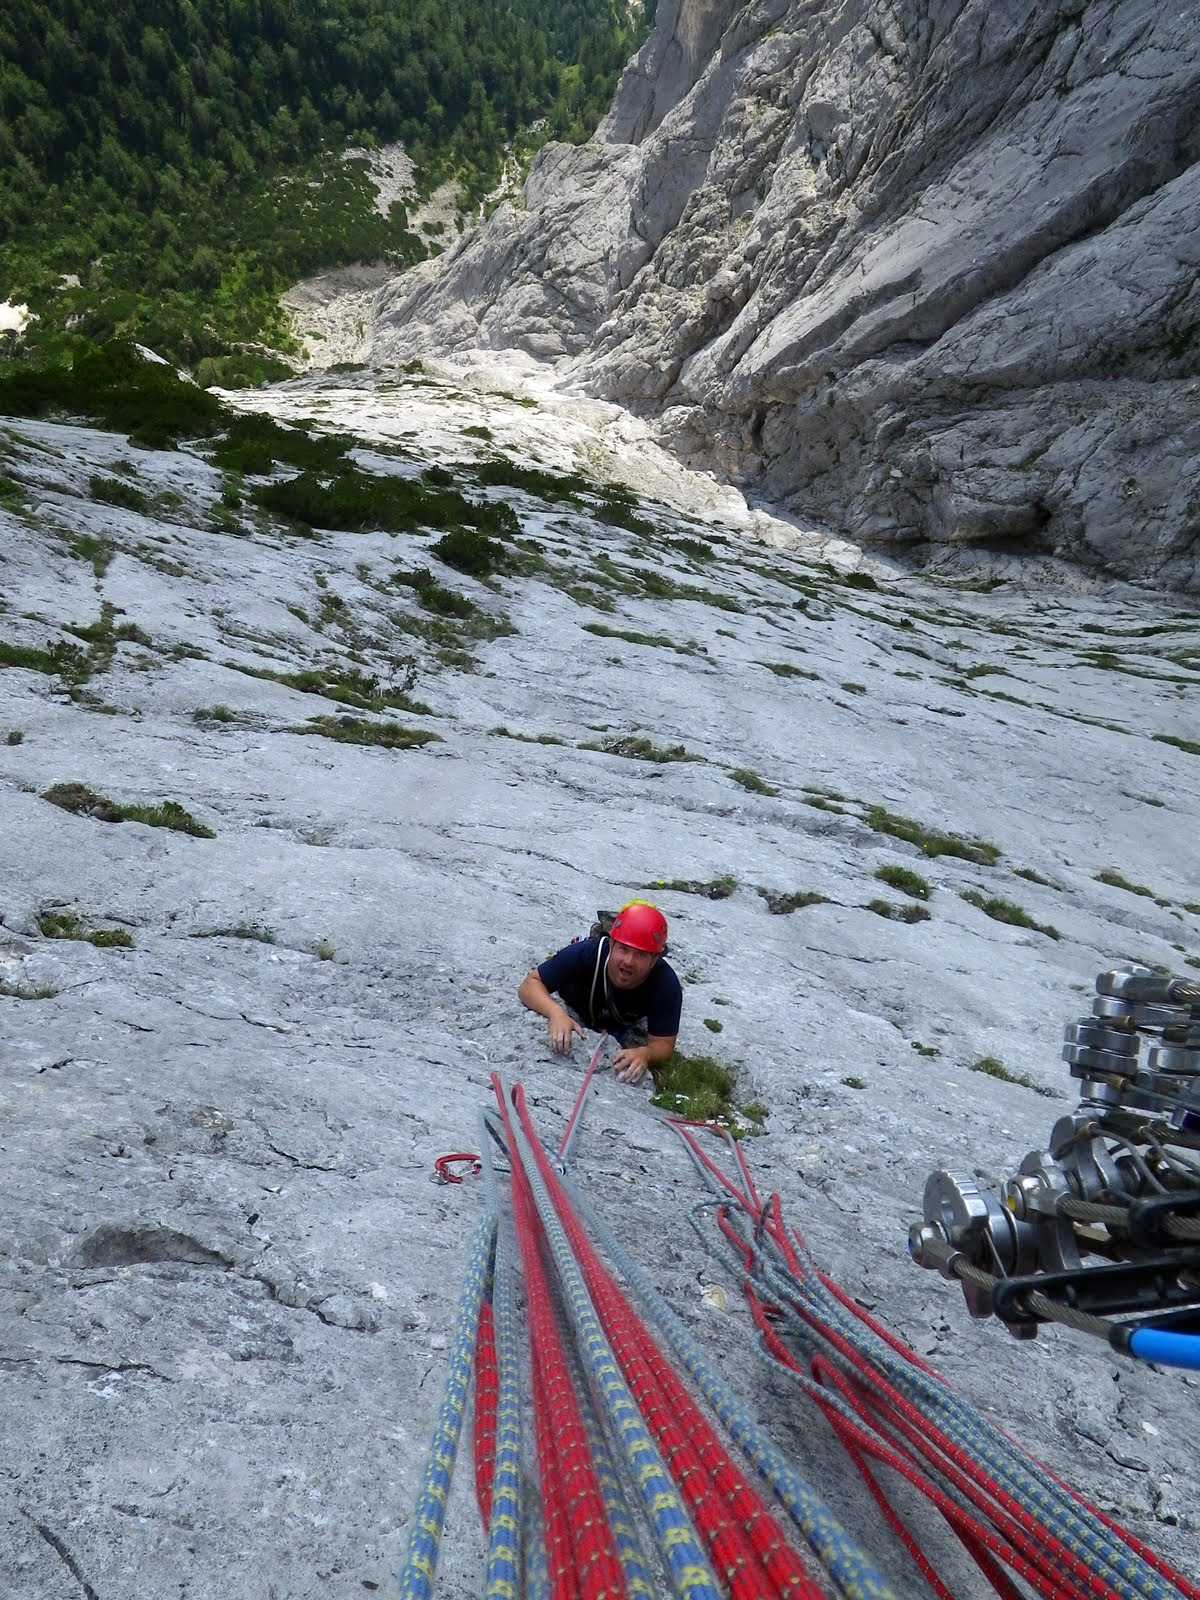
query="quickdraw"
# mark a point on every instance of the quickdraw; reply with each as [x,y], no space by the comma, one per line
[442,1167]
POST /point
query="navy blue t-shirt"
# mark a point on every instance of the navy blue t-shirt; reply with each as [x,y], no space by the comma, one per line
[576,974]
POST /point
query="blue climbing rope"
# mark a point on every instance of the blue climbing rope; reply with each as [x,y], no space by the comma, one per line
[424,1543]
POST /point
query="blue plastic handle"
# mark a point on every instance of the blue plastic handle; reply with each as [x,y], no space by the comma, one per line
[1168,1349]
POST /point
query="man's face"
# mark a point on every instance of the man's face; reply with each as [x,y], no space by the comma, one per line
[628,967]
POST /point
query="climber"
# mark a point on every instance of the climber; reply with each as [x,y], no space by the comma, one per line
[616,983]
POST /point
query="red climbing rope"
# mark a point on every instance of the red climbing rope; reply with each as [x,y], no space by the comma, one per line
[487,1402]
[567,1467]
[748,1548]
[573,1119]
[896,1433]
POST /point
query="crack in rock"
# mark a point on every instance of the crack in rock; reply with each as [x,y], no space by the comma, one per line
[60,1549]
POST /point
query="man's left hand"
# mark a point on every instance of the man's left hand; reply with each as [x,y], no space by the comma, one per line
[631,1066]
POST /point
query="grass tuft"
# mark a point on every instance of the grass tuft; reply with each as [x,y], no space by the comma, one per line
[751,781]
[930,840]
[634,747]
[353,730]
[895,913]
[67,925]
[84,802]
[993,1067]
[1006,911]
[782,905]
[1112,877]
[711,888]
[911,883]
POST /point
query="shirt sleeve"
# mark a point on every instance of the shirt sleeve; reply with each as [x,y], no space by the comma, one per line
[568,965]
[666,1005]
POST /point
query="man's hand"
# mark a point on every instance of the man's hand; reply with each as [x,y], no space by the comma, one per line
[563,1029]
[631,1066]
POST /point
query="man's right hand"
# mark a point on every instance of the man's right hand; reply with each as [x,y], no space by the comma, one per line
[563,1029]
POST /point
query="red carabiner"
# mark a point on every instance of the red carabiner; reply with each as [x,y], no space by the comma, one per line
[443,1164]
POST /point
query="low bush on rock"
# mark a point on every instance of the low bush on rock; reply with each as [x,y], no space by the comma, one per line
[751,781]
[68,925]
[113,492]
[634,747]
[657,641]
[357,502]
[117,388]
[256,443]
[895,913]
[351,730]
[711,888]
[57,660]
[907,882]
[1006,911]
[780,904]
[84,802]
[932,842]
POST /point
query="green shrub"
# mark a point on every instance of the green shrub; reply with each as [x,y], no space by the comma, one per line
[27,991]
[781,905]
[434,596]
[712,888]
[634,747]
[992,1067]
[907,882]
[617,514]
[1005,911]
[1188,746]
[895,913]
[255,443]
[245,370]
[99,552]
[1112,877]
[469,551]
[751,781]
[14,736]
[117,388]
[855,1083]
[713,1025]
[530,480]
[168,814]
[1031,876]
[356,502]
[929,1050]
[67,925]
[930,840]
[113,492]
[698,1088]
[854,688]
[657,640]
[785,669]
[351,730]
[240,930]
[696,549]
[57,660]
[528,738]
[84,802]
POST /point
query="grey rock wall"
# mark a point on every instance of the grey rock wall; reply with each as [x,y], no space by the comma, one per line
[925,270]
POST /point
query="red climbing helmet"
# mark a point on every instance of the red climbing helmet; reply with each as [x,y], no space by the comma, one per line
[641,925]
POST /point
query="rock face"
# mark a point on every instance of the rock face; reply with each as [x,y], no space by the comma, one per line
[227,1283]
[926,270]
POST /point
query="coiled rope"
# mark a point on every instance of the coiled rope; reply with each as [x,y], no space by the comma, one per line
[623,1448]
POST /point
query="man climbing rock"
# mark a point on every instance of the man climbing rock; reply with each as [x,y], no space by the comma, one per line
[617,983]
